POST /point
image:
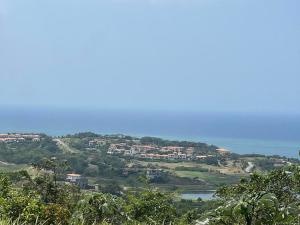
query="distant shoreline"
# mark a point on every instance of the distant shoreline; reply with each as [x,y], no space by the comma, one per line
[266,134]
[241,146]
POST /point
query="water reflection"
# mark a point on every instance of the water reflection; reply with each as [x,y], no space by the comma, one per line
[195,196]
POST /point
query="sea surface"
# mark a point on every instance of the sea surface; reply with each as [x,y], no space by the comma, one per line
[240,133]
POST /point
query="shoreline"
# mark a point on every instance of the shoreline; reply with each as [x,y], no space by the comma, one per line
[242,146]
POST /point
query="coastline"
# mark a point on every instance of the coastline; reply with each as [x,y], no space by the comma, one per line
[268,147]
[242,134]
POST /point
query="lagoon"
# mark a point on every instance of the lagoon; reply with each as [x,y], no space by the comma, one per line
[195,196]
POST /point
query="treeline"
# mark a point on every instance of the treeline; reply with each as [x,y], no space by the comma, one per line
[198,169]
[162,143]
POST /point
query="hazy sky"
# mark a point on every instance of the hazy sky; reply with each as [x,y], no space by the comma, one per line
[181,55]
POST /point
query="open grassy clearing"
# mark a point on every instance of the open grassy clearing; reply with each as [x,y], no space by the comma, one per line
[173,165]
[12,167]
[64,145]
[230,170]
[209,177]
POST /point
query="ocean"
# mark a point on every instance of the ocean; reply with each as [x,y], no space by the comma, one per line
[240,133]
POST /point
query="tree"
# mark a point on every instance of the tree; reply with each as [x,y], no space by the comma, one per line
[261,199]
[152,207]
[98,208]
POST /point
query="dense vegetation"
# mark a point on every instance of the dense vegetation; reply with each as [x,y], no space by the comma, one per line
[46,199]
[40,195]
[28,151]
[261,199]
[199,147]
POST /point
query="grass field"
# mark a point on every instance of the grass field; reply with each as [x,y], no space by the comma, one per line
[211,178]
[216,176]
[173,165]
[12,167]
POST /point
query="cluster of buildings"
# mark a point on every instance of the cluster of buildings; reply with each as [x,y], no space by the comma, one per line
[134,148]
[130,150]
[19,137]
[156,152]
[98,141]
[175,155]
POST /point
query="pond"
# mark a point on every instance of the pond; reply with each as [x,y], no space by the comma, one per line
[208,195]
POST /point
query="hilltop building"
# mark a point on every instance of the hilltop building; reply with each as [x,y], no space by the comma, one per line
[222,151]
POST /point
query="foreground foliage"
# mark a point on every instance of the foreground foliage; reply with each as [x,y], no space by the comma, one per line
[262,199]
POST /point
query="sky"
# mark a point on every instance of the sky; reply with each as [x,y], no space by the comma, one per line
[178,55]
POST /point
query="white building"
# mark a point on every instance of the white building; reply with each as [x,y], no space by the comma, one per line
[73,177]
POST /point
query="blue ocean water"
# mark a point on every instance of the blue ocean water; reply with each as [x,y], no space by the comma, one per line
[241,133]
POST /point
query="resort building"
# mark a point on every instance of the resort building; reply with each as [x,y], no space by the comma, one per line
[223,151]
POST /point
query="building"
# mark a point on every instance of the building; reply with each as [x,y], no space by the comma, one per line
[77,179]
[181,156]
[190,150]
[222,151]
[154,173]
[144,148]
[173,148]
[128,153]
[19,137]
[73,177]
[171,156]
